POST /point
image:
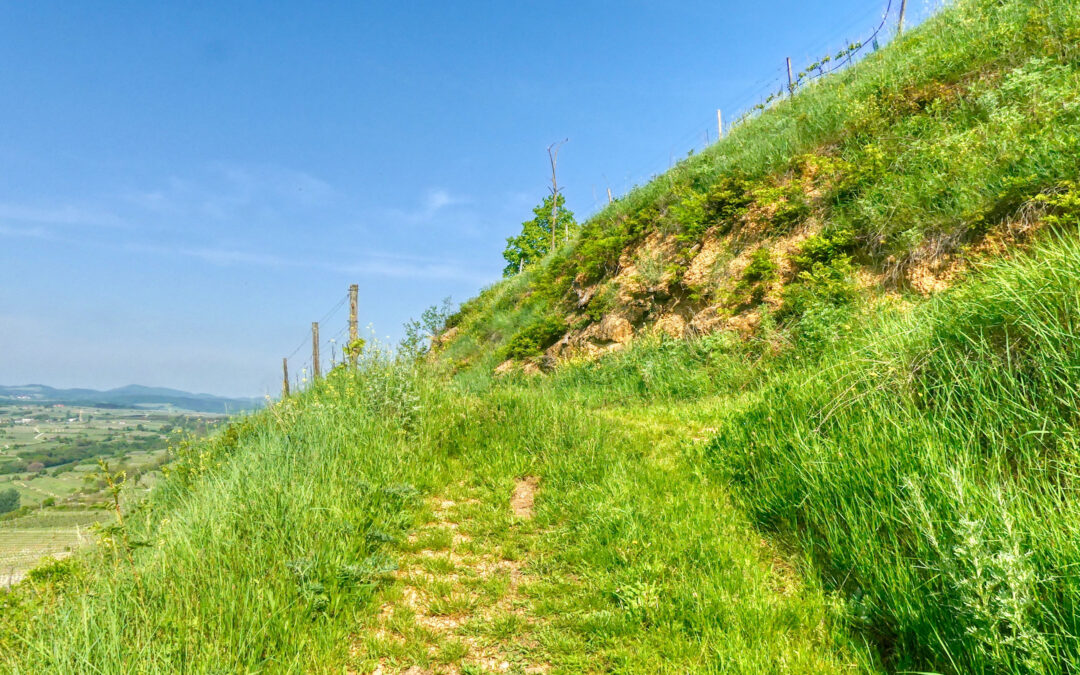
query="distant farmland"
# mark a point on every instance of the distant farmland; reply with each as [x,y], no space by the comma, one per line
[50,453]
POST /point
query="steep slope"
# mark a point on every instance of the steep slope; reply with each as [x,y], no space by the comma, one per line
[890,177]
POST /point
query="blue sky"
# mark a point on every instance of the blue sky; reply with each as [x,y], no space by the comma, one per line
[186,186]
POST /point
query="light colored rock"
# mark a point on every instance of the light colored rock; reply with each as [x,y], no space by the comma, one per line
[745,324]
[584,294]
[505,367]
[445,338]
[672,325]
[707,320]
[698,274]
[611,333]
[556,350]
[614,328]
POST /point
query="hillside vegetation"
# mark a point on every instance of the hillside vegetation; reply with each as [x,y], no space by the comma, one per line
[886,177]
[810,405]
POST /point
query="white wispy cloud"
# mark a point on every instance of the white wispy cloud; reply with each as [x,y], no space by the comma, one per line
[235,192]
[227,257]
[433,202]
[33,232]
[220,256]
[232,215]
[58,215]
[405,266]
[377,264]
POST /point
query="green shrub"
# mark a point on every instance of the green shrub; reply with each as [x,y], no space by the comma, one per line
[823,285]
[762,267]
[729,197]
[603,302]
[823,248]
[787,202]
[603,242]
[689,213]
[650,268]
[1064,204]
[534,338]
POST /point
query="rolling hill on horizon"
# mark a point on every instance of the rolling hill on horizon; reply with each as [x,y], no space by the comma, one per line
[129,396]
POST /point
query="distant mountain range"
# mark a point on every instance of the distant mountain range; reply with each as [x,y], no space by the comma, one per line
[131,396]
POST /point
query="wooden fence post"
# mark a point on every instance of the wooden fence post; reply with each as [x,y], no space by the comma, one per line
[285,378]
[719,125]
[903,10]
[354,328]
[609,199]
[315,371]
[790,81]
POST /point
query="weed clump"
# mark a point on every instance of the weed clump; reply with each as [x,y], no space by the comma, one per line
[534,338]
[821,298]
[762,267]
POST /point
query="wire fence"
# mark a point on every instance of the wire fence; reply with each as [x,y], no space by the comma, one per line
[860,34]
[299,366]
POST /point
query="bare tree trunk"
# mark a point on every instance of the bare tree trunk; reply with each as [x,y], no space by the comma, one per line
[554,157]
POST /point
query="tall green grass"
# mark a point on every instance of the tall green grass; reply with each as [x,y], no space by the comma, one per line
[264,549]
[930,467]
[255,553]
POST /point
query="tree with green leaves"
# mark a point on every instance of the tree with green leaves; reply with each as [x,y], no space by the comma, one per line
[534,242]
[418,334]
[9,500]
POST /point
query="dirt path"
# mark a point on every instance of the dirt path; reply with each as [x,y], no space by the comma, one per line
[630,559]
[521,503]
[36,489]
[460,605]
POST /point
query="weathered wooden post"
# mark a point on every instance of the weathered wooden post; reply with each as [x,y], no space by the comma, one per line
[354,328]
[285,378]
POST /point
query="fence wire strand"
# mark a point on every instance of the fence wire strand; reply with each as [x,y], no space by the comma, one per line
[770,88]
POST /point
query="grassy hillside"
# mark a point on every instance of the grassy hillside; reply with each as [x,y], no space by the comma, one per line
[884,178]
[846,440]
